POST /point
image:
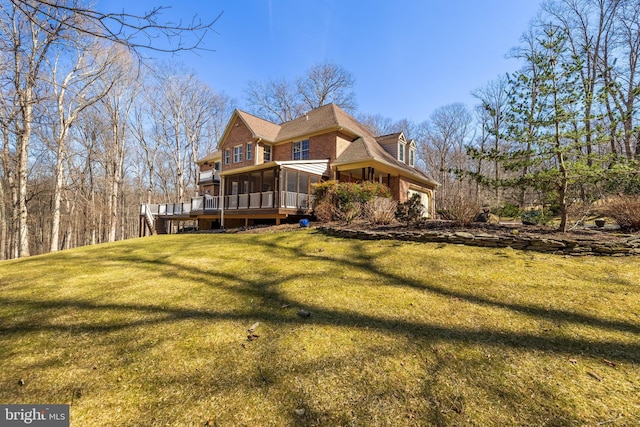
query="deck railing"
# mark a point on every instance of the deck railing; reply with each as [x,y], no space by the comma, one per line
[263,200]
[210,175]
[212,203]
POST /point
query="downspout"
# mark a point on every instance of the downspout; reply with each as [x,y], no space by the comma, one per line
[222,202]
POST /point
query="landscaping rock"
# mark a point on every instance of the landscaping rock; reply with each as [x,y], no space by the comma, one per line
[304,313]
[584,244]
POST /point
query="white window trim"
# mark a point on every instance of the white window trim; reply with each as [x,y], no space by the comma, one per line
[227,156]
[249,151]
[412,157]
[300,150]
[237,154]
[401,153]
[267,149]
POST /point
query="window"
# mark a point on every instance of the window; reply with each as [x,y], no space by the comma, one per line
[412,157]
[401,152]
[300,150]
[267,153]
[226,156]
[249,154]
[216,166]
[237,154]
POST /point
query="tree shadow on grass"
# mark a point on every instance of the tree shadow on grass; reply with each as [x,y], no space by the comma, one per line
[268,300]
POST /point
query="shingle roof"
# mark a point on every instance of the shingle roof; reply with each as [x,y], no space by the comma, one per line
[261,128]
[386,139]
[366,146]
[318,120]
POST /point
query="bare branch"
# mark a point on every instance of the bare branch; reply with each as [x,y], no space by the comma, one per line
[136,32]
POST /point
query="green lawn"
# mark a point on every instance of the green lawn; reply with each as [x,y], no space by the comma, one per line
[153,331]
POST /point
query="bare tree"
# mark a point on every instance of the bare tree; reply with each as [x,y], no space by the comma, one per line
[274,100]
[586,24]
[135,32]
[282,101]
[74,91]
[620,69]
[494,101]
[8,205]
[378,124]
[176,122]
[89,133]
[26,45]
[442,146]
[116,107]
[327,83]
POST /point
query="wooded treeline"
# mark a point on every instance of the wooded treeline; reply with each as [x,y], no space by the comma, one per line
[559,134]
[90,130]
[88,126]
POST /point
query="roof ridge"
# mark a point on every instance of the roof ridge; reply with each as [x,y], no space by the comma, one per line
[254,116]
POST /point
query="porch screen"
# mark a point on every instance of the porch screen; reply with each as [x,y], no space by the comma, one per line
[268,180]
[303,183]
[254,182]
[292,181]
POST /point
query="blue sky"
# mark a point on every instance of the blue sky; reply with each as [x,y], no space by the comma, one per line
[408,57]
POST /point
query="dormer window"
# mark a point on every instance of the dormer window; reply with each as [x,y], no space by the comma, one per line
[412,153]
[401,148]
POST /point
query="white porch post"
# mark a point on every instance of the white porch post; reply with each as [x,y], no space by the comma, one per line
[222,201]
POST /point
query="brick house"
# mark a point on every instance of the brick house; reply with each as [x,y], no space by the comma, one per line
[263,172]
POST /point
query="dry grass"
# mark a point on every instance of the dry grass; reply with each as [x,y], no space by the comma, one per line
[154,332]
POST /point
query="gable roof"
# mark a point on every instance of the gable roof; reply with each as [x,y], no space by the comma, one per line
[391,138]
[365,147]
[319,120]
[368,149]
[260,128]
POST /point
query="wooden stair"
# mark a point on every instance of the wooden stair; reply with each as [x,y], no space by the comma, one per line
[159,227]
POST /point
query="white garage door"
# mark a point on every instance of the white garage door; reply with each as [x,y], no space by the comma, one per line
[424,198]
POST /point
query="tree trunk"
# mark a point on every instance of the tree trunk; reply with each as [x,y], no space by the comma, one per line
[3,223]
[57,199]
[23,164]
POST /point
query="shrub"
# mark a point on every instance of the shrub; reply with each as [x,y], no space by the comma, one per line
[535,217]
[323,211]
[624,210]
[380,210]
[346,197]
[508,210]
[410,211]
[349,212]
[460,210]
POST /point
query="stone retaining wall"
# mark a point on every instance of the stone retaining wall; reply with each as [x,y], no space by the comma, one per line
[568,246]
